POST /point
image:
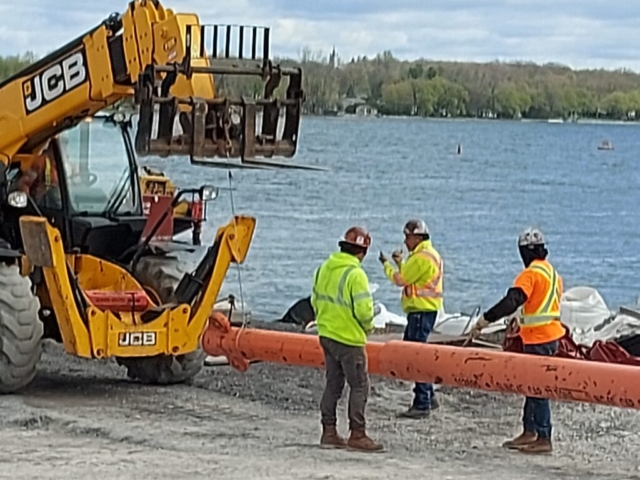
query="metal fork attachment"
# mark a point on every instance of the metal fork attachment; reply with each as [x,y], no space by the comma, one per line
[249,129]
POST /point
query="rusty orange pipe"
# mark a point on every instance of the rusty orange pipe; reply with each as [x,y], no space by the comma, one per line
[548,377]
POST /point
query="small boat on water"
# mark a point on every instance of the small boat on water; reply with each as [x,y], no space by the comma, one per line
[605,145]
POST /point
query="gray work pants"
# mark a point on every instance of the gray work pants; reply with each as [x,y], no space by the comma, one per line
[350,363]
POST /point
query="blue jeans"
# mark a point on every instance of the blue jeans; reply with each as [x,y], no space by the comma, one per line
[536,416]
[419,326]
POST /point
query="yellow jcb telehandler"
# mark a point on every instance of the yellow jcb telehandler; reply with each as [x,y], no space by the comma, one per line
[80,260]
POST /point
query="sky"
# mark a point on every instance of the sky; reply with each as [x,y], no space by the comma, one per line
[578,33]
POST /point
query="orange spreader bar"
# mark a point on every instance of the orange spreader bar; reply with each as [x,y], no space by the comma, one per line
[548,377]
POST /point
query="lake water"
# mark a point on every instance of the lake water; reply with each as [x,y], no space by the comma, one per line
[385,171]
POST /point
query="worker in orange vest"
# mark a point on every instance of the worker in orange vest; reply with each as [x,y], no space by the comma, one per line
[537,291]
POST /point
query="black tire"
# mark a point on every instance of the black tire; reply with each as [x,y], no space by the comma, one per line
[162,274]
[20,330]
[164,369]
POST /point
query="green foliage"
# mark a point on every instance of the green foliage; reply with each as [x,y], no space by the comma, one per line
[12,64]
[429,88]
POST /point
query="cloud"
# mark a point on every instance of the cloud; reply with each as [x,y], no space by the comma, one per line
[589,33]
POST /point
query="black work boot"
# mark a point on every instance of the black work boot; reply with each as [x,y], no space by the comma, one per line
[414,413]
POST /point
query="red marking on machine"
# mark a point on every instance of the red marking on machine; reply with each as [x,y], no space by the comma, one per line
[154,207]
[127,301]
[197,210]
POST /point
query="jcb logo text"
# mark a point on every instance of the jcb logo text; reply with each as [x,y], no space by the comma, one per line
[137,339]
[53,82]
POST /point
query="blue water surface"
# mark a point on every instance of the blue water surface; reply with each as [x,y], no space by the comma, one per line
[386,170]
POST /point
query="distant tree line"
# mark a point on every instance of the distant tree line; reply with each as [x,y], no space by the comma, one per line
[12,64]
[449,89]
[457,89]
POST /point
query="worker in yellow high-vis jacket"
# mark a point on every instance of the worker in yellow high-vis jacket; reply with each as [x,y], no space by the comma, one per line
[420,277]
[343,307]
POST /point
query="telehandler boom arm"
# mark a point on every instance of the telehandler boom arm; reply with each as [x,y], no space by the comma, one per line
[158,58]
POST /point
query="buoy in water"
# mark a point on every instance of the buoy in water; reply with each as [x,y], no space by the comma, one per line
[605,145]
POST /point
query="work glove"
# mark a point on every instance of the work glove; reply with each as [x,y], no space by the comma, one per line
[382,258]
[478,327]
[397,257]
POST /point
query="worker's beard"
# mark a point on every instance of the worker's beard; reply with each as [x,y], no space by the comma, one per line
[528,255]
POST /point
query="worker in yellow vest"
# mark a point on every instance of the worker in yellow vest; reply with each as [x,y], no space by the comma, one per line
[537,292]
[421,280]
[343,308]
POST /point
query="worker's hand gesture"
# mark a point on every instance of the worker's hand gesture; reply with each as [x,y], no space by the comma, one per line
[382,258]
[397,257]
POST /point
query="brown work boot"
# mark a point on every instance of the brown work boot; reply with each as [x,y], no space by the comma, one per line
[541,445]
[359,441]
[331,439]
[525,438]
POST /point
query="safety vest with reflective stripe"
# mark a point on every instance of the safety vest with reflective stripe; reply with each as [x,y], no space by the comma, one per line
[549,308]
[433,288]
[342,300]
[421,279]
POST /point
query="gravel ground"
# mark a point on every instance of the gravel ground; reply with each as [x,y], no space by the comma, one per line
[84,419]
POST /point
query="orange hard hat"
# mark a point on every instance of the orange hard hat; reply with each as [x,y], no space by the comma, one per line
[357,236]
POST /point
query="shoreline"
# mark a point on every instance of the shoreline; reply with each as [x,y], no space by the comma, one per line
[551,121]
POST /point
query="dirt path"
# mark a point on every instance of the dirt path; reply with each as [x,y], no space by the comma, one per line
[82,419]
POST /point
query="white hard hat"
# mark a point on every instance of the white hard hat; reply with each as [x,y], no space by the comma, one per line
[416,227]
[530,237]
